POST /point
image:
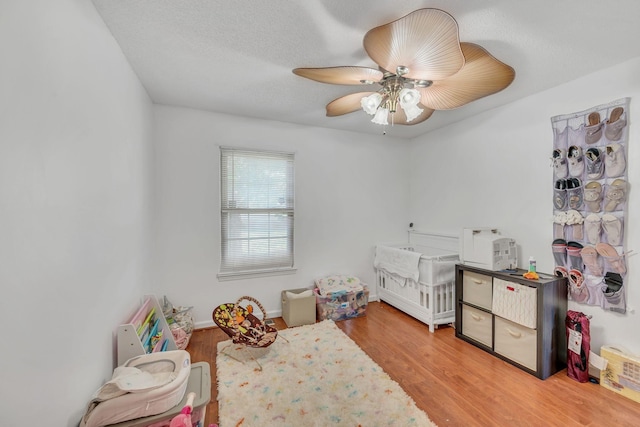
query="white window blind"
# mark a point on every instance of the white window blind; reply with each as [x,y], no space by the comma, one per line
[257,211]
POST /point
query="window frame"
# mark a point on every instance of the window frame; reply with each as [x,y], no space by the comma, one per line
[228,210]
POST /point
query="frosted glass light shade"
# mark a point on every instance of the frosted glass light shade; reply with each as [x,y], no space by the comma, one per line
[382,114]
[412,111]
[409,97]
[371,103]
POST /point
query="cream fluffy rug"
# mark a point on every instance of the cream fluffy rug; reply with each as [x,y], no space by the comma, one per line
[320,378]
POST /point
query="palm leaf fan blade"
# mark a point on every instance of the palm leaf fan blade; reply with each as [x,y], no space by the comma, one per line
[346,75]
[426,41]
[346,104]
[482,75]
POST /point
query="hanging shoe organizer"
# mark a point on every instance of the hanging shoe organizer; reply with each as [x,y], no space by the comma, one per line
[590,194]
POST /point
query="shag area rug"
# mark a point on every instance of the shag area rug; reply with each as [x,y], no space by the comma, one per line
[319,378]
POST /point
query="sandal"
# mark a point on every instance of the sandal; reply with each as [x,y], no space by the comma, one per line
[615,125]
[593,226]
[594,129]
[574,193]
[560,194]
[590,260]
[593,196]
[613,260]
[612,226]
[615,195]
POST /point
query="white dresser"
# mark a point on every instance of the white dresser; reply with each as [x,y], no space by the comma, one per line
[518,320]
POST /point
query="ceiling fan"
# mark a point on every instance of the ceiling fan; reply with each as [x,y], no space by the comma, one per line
[422,67]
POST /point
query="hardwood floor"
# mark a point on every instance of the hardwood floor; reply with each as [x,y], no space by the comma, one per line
[456,383]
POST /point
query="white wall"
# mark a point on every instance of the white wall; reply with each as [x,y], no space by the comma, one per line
[75,139]
[494,170]
[350,194]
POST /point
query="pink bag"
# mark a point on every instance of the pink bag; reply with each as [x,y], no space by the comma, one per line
[578,346]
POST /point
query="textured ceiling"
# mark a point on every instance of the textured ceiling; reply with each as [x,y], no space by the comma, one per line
[236,57]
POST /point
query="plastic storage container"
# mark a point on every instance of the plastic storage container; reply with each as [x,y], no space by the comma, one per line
[343,306]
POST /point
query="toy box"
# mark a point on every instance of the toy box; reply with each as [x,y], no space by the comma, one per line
[622,373]
[341,306]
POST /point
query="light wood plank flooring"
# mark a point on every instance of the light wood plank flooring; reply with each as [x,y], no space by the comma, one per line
[456,383]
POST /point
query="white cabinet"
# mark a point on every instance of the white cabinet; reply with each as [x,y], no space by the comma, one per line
[518,320]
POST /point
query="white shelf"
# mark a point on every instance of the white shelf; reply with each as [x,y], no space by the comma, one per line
[129,343]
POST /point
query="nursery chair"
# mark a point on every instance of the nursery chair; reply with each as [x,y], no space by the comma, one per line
[243,327]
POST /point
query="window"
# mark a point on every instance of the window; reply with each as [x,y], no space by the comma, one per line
[257,196]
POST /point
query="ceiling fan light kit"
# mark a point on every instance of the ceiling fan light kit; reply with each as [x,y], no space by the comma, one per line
[422,67]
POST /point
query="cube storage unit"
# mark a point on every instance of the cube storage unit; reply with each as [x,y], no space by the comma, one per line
[430,299]
[298,308]
[200,384]
[518,320]
[342,306]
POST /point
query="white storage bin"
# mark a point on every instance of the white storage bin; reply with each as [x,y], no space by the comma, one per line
[477,324]
[515,302]
[477,289]
[516,342]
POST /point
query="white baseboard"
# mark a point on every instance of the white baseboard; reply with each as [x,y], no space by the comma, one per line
[272,314]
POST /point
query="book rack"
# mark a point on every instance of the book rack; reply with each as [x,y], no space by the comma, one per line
[146,332]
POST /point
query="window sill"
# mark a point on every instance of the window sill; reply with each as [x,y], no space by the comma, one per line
[223,277]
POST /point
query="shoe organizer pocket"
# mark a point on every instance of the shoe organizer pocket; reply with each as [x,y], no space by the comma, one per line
[574,193]
[477,289]
[516,342]
[476,324]
[515,302]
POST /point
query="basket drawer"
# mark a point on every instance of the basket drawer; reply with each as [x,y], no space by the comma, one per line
[515,302]
[516,342]
[476,289]
[476,324]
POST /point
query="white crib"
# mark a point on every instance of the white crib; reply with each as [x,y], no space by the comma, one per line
[430,299]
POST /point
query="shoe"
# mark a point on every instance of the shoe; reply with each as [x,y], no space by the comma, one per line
[590,260]
[615,195]
[614,161]
[560,194]
[615,125]
[559,249]
[593,227]
[576,162]
[560,163]
[594,163]
[613,260]
[613,291]
[577,291]
[593,196]
[594,129]
[612,227]
[560,272]
[574,257]
[574,193]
